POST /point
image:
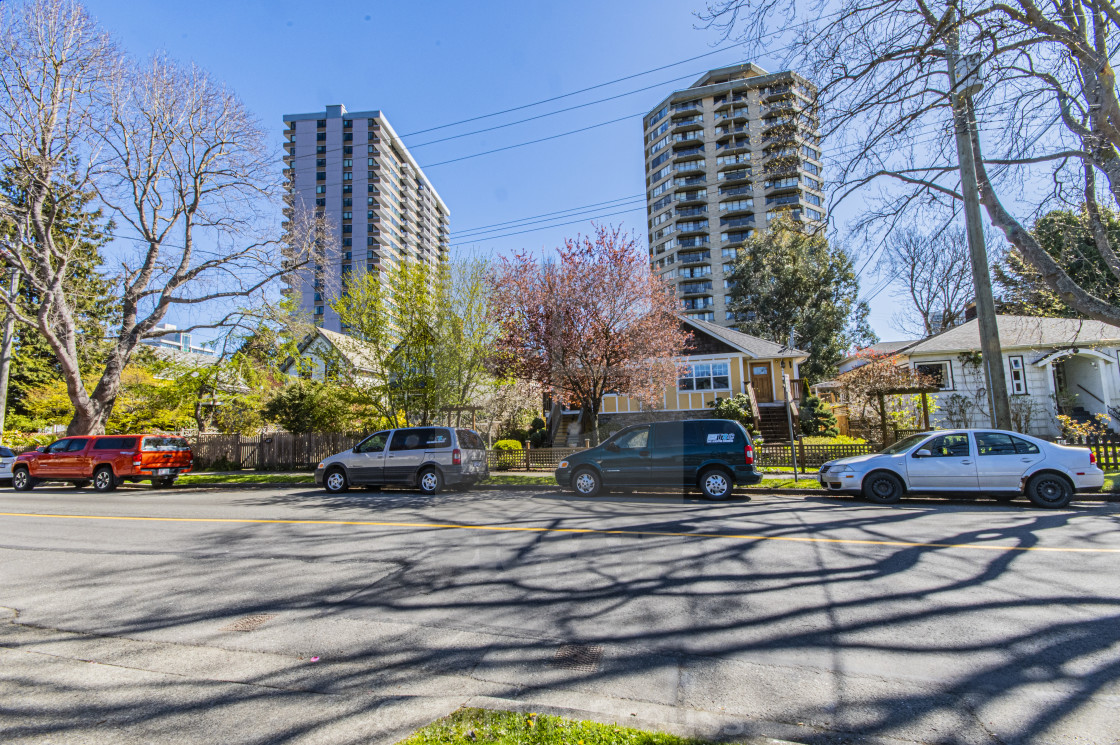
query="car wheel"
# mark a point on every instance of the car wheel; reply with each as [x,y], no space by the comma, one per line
[104,480]
[430,481]
[22,481]
[882,488]
[716,484]
[80,484]
[335,481]
[587,483]
[1049,490]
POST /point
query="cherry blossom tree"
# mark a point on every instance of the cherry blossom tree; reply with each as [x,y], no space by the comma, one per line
[591,322]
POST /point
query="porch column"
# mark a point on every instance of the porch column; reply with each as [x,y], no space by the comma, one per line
[1104,385]
[1050,385]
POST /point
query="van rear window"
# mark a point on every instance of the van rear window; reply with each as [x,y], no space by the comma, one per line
[114,443]
[469,440]
[165,443]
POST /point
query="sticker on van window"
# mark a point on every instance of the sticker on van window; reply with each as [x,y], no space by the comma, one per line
[721,437]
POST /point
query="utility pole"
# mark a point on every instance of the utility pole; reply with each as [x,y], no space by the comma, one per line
[964,80]
[6,351]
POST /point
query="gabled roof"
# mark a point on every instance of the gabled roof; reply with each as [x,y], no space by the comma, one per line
[883,347]
[1022,331]
[358,354]
[751,345]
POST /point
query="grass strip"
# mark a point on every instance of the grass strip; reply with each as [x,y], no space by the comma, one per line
[249,477]
[479,726]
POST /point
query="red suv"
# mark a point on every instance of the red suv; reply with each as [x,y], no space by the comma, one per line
[106,461]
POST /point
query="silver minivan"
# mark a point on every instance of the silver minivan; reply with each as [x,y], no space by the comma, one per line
[427,458]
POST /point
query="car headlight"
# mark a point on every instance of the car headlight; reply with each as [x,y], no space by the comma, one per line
[840,469]
[563,464]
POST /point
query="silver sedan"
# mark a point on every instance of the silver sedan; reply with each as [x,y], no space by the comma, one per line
[992,462]
[7,460]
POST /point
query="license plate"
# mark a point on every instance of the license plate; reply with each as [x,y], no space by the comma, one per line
[164,471]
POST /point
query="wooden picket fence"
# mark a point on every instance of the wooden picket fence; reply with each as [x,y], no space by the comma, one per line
[530,459]
[809,457]
[267,452]
[1106,448]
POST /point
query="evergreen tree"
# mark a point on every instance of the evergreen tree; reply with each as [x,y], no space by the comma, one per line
[788,281]
[1067,237]
[817,419]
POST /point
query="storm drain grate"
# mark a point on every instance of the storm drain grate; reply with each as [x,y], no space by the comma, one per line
[582,657]
[249,623]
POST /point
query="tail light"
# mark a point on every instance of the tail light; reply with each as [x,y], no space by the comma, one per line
[748,453]
[1092,458]
[136,463]
[456,457]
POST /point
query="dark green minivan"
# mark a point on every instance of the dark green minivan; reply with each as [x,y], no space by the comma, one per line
[712,455]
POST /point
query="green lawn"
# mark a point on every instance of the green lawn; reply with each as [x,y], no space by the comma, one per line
[248,477]
[807,481]
[478,726]
[1112,482]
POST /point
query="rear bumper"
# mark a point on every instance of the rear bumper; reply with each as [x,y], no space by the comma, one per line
[1089,481]
[747,476]
[460,475]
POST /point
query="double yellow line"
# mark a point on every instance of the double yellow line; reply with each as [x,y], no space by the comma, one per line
[582,531]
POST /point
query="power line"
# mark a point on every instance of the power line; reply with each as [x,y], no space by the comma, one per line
[610,202]
[585,215]
[547,227]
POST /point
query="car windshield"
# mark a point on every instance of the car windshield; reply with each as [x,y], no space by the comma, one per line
[903,445]
[6,453]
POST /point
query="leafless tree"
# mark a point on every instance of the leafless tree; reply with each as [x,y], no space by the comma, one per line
[936,278]
[172,156]
[1049,112]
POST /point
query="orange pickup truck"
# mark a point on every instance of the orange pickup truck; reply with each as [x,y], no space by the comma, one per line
[104,461]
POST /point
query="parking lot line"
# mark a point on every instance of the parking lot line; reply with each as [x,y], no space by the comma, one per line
[591,531]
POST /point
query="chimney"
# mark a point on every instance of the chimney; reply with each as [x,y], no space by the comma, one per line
[970,311]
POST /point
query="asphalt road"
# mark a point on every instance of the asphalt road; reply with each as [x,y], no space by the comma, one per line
[286,615]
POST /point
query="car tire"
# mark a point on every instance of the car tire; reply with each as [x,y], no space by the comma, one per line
[1049,490]
[80,484]
[430,481]
[335,482]
[883,488]
[716,484]
[587,483]
[22,481]
[104,480]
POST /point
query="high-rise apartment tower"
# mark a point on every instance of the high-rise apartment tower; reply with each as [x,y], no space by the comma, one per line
[737,149]
[353,168]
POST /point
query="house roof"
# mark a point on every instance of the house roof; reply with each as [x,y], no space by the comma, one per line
[1022,331]
[883,347]
[752,345]
[357,354]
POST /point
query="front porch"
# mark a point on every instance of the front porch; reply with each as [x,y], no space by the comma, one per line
[1081,385]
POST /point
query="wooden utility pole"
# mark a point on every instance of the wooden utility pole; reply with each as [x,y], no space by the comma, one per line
[964,80]
[6,351]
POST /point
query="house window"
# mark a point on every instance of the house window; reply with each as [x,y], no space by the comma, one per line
[706,376]
[942,372]
[1018,376]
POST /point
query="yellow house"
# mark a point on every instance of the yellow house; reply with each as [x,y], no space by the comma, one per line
[720,363]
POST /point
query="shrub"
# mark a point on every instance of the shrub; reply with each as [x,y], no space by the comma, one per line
[509,454]
[817,418]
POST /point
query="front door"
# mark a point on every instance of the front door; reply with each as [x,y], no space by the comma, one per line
[74,461]
[626,459]
[48,464]
[762,382]
[367,465]
[1001,460]
[949,466]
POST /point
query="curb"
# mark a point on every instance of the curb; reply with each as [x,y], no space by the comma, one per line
[746,491]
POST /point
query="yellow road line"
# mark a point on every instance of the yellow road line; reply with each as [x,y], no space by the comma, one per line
[591,531]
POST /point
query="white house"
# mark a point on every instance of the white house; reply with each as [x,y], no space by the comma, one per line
[322,347]
[1051,365]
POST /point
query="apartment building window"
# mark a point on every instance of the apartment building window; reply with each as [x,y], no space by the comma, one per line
[372,122]
[347,188]
[321,123]
[320,149]
[811,168]
[659,144]
[320,189]
[730,253]
[656,117]
[658,175]
[318,297]
[348,137]
[347,175]
[321,176]
[347,228]
[371,175]
[347,242]
[660,219]
[736,222]
[690,288]
[347,215]
[371,268]
[660,159]
[692,272]
[371,228]
[809,152]
[320,202]
[370,215]
[690,225]
[738,204]
[370,241]
[697,303]
[690,165]
[348,150]
[321,137]
[370,189]
[348,202]
[811,198]
[813,214]
[371,255]
[348,163]
[658,190]
[347,123]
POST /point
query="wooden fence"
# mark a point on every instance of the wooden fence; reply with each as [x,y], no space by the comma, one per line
[269,452]
[809,457]
[532,459]
[1106,448]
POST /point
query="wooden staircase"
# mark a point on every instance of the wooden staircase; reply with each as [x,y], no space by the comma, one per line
[773,423]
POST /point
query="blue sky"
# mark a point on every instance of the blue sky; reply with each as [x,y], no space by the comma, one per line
[426,64]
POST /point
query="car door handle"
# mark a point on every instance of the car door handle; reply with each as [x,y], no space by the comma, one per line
[966,463]
[643,453]
[1027,460]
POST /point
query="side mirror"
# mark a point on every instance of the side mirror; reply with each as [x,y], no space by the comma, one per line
[923,453]
[614,448]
